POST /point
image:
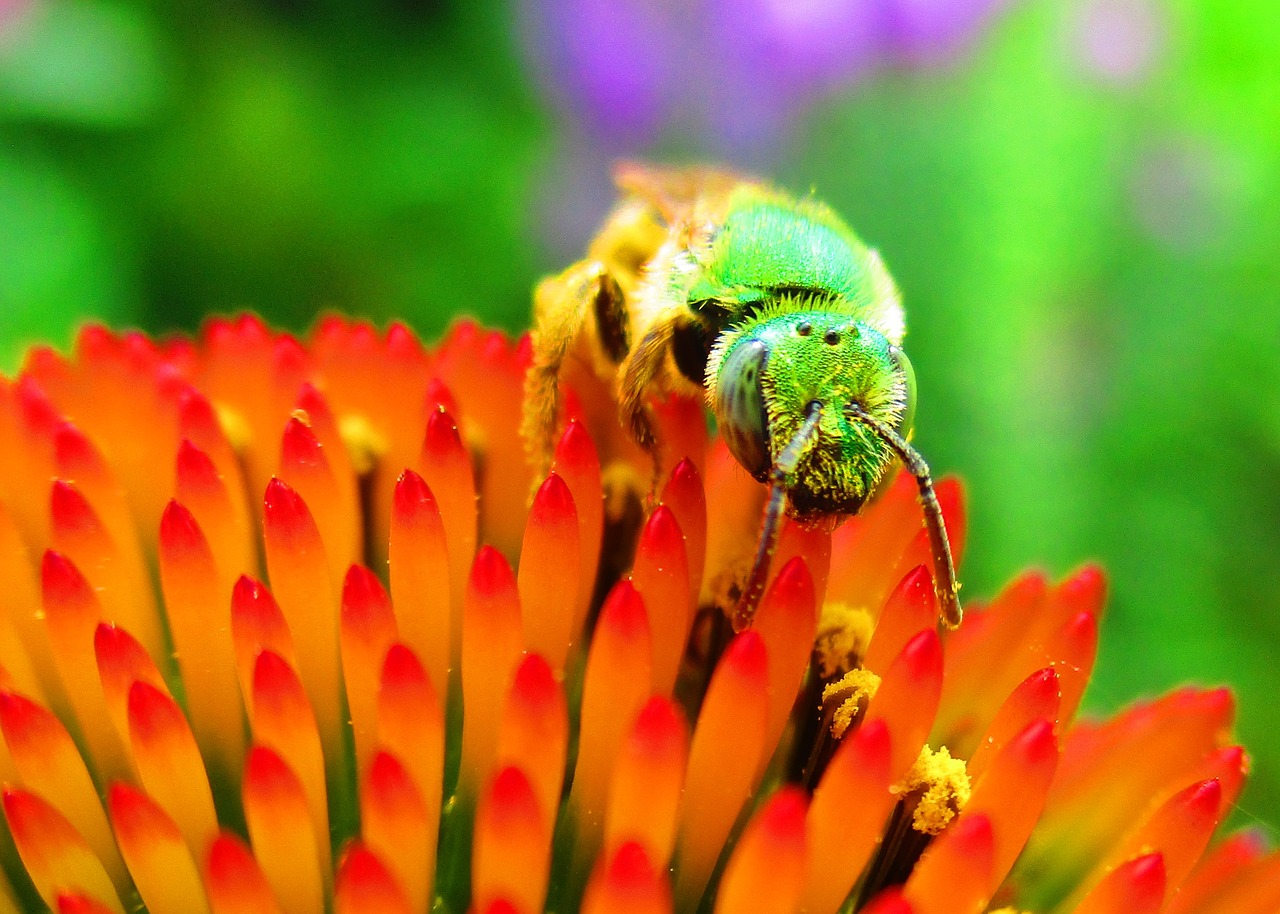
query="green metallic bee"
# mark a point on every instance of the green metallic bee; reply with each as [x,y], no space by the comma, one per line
[705,282]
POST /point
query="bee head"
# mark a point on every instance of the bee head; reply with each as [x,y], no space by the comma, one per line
[766,377]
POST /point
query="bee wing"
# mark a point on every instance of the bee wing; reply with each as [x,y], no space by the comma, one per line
[681,194]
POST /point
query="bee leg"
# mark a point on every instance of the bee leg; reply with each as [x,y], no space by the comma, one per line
[637,379]
[771,526]
[584,298]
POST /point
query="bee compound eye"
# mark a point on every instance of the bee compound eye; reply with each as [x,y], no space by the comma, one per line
[909,395]
[739,406]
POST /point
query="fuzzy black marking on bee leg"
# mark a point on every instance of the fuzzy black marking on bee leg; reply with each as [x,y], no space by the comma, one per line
[944,585]
[611,319]
[771,527]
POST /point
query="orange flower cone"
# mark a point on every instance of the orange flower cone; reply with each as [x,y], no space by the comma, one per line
[290,626]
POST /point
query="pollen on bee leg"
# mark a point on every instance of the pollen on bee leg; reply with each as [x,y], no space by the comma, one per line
[549,577]
[159,860]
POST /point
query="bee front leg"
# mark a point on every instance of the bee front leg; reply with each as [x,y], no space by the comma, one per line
[582,304]
[640,376]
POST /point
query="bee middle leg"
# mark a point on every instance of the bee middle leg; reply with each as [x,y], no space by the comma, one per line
[582,305]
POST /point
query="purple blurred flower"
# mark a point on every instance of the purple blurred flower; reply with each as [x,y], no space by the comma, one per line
[1119,41]
[731,74]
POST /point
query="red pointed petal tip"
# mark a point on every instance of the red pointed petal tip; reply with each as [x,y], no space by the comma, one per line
[661,532]
[439,399]
[179,530]
[268,772]
[195,468]
[403,343]
[363,594]
[20,717]
[69,509]
[284,510]
[491,573]
[1037,744]
[576,450]
[61,581]
[299,446]
[501,906]
[401,668]
[364,885]
[411,494]
[442,436]
[152,712]
[782,817]
[512,797]
[250,597]
[630,871]
[121,657]
[38,413]
[1086,590]
[133,812]
[535,683]
[659,725]
[229,860]
[624,615]
[74,454]
[922,656]
[288,357]
[553,503]
[889,901]
[746,657]
[794,584]
[272,674]
[973,837]
[80,904]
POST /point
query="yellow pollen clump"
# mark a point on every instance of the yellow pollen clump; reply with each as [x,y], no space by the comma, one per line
[843,635]
[851,690]
[234,426]
[363,443]
[942,785]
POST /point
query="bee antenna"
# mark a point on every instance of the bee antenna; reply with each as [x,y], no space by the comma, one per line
[771,526]
[945,585]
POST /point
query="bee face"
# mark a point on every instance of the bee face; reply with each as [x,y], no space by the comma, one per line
[766,376]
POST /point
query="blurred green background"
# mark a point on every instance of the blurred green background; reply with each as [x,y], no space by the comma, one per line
[1080,200]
